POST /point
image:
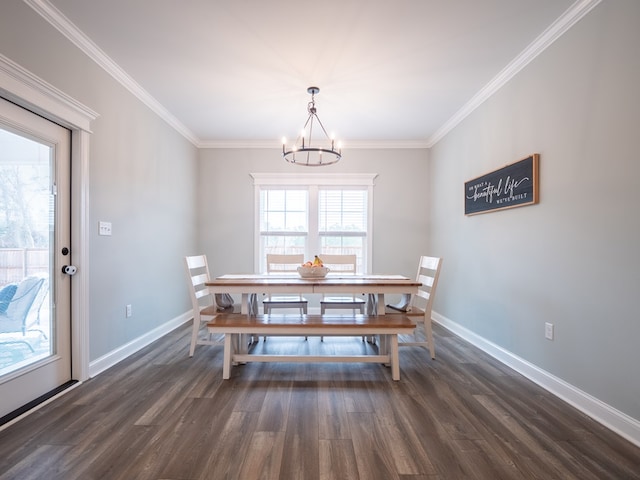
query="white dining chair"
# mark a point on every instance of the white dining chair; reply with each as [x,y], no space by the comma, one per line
[345,265]
[421,303]
[284,264]
[203,303]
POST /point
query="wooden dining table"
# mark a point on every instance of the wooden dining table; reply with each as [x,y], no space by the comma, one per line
[249,286]
[376,286]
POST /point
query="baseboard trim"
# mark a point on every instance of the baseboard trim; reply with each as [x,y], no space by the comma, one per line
[107,361]
[615,420]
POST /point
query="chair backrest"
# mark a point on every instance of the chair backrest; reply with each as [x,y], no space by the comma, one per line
[198,273]
[284,263]
[340,263]
[428,274]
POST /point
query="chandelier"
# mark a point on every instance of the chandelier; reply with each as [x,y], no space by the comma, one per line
[308,151]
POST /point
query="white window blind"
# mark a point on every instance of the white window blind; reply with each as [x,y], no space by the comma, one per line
[343,211]
[343,223]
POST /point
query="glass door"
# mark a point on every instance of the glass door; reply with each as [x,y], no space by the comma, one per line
[35,318]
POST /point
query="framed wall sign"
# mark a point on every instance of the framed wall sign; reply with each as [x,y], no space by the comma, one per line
[513,185]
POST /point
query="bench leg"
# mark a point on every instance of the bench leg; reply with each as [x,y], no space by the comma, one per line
[395,360]
[229,339]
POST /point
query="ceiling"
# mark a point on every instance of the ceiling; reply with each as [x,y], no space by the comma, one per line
[235,73]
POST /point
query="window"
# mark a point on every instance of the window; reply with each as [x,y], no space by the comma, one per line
[314,215]
[284,221]
[343,223]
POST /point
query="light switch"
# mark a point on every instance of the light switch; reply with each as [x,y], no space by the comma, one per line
[104,228]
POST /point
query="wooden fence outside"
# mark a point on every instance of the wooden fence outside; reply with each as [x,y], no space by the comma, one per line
[17,263]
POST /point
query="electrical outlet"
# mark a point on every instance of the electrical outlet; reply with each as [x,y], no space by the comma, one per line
[104,228]
[548,331]
[128,311]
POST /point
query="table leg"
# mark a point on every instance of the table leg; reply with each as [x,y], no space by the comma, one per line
[395,360]
[371,308]
[244,307]
[228,353]
[381,305]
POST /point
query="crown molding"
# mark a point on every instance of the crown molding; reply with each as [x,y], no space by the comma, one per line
[61,23]
[350,145]
[569,18]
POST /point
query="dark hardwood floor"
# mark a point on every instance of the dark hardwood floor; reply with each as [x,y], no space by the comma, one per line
[162,415]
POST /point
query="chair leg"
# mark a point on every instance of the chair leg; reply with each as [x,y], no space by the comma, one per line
[194,335]
[265,310]
[429,333]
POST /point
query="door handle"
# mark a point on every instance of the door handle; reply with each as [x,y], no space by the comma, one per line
[69,270]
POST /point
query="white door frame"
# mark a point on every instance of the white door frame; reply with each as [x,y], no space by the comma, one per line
[26,90]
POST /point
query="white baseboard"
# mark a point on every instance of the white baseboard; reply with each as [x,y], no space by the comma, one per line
[617,421]
[110,359]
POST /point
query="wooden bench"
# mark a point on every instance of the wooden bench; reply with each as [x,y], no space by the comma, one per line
[386,326]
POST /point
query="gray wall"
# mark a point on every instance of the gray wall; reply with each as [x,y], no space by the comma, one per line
[226,197]
[142,175]
[573,259]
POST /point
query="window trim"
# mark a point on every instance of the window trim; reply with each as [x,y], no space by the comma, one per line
[323,179]
[315,180]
